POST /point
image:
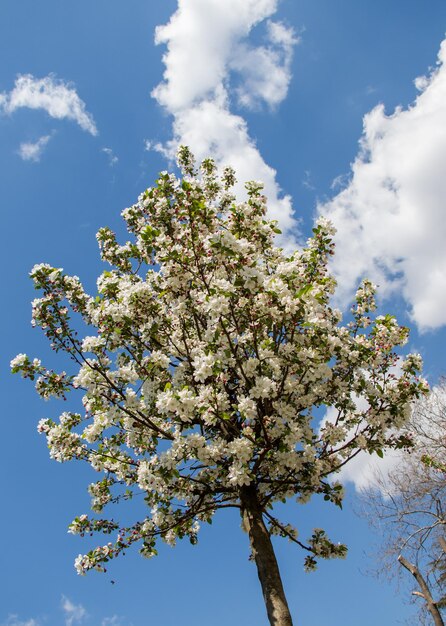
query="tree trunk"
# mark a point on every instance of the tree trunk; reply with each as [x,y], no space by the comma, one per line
[425,592]
[263,553]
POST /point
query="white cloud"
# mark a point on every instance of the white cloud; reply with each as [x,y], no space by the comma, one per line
[112,158]
[13,620]
[367,471]
[426,426]
[58,98]
[265,71]
[391,216]
[206,46]
[74,613]
[200,39]
[32,151]
[363,469]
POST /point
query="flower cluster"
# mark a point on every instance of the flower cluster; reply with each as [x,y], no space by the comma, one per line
[208,352]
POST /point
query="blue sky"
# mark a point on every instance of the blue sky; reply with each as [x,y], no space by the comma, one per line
[316,97]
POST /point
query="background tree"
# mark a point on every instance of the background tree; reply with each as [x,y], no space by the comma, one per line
[211,353]
[409,505]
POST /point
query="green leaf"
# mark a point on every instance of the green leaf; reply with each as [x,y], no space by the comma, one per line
[304,291]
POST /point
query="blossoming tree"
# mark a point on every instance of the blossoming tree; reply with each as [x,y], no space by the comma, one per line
[208,355]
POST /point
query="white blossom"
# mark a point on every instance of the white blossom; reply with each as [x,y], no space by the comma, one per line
[208,354]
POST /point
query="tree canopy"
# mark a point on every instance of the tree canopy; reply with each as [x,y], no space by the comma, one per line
[208,357]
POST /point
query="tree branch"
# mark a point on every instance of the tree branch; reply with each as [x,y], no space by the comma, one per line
[425,591]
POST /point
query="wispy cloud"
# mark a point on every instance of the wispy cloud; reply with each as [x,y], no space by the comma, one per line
[74,613]
[13,620]
[391,216]
[114,620]
[307,181]
[58,98]
[32,151]
[112,158]
[209,58]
